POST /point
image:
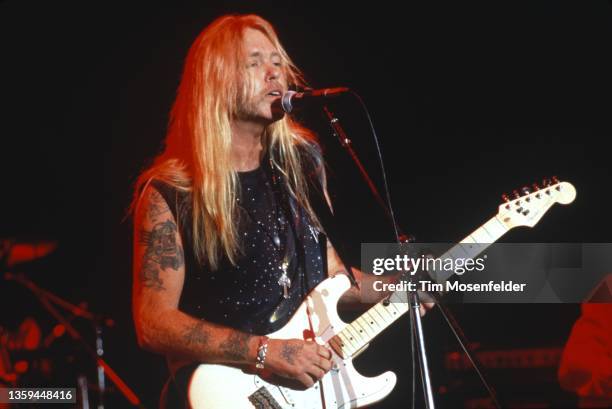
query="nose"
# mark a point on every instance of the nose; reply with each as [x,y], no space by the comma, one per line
[272,72]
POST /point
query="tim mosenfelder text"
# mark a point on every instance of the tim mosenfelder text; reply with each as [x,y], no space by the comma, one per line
[428,286]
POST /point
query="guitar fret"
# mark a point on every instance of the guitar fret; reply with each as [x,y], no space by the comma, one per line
[371,319]
[480,236]
[362,341]
[365,326]
[354,333]
[357,328]
[495,228]
[486,231]
[368,319]
[352,341]
[502,226]
[340,335]
[377,309]
[368,336]
[372,328]
[394,305]
[471,249]
[346,342]
[386,312]
[378,313]
[469,239]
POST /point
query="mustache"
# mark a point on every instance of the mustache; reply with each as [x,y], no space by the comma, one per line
[275,86]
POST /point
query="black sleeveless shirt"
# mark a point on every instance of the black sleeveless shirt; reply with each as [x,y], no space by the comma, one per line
[272,229]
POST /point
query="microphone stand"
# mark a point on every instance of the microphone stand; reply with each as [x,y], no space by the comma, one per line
[417,334]
[415,316]
[47,299]
[346,143]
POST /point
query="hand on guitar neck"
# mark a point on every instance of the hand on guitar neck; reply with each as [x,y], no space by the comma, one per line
[371,296]
[363,297]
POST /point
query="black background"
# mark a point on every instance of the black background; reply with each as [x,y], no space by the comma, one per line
[469,101]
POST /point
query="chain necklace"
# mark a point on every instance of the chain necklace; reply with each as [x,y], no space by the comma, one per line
[279,227]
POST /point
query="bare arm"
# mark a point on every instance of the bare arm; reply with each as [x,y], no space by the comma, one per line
[159,273]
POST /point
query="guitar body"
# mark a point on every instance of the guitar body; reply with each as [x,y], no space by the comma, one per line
[221,387]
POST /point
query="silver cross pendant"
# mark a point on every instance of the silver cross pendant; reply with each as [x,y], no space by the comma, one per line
[284,280]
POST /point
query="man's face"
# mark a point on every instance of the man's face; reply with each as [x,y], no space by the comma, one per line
[265,75]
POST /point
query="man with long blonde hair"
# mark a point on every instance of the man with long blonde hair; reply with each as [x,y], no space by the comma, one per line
[226,241]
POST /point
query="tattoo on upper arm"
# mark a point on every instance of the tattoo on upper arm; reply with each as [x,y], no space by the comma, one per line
[236,347]
[196,334]
[157,206]
[288,352]
[162,252]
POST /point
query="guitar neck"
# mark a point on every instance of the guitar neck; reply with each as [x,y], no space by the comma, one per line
[472,246]
[361,331]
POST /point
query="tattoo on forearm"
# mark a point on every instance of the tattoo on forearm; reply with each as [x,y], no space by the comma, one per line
[161,252]
[157,206]
[196,334]
[288,352]
[236,347]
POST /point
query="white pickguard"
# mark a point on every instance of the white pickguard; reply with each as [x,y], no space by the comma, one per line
[223,387]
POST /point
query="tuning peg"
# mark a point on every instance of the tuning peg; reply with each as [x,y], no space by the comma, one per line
[555,180]
[536,188]
[506,199]
[516,194]
[545,182]
[526,192]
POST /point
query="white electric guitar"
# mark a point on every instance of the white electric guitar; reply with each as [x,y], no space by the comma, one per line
[226,387]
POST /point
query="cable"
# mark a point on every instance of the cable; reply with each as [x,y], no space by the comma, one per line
[396,229]
[382,168]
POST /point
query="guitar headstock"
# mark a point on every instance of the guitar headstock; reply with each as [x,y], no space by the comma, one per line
[527,207]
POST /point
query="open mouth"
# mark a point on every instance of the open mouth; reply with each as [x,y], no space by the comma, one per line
[274,93]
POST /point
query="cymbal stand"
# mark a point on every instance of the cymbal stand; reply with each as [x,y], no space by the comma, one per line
[48,299]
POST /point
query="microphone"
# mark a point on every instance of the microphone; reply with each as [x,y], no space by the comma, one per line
[293,99]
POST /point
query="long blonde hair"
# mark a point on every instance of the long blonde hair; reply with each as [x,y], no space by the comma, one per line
[196,158]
